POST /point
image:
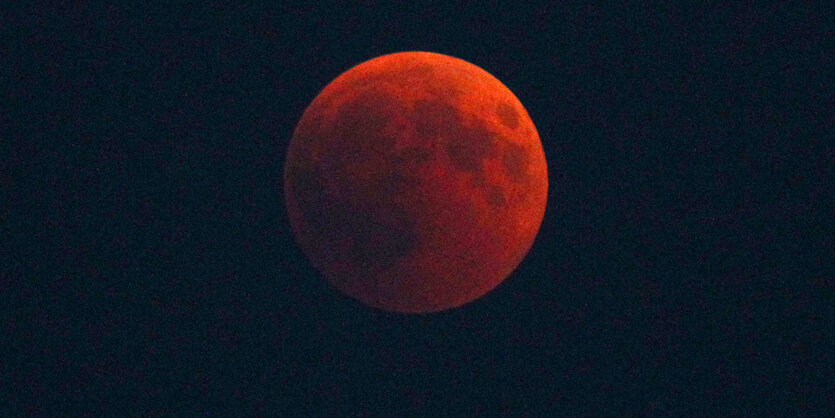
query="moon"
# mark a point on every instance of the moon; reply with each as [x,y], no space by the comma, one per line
[415,182]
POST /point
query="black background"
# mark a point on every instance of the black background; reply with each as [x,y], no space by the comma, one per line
[150,270]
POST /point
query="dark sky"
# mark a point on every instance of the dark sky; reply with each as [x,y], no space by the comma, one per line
[679,271]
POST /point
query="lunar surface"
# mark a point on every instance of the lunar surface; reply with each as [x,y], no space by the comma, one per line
[415,182]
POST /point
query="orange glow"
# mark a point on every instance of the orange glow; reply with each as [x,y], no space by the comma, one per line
[415,182]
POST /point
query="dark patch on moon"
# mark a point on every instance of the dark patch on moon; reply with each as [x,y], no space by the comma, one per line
[379,235]
[434,117]
[379,231]
[515,160]
[508,116]
[495,196]
[360,125]
[478,180]
[467,147]
[414,155]
[369,80]
[376,227]
[408,165]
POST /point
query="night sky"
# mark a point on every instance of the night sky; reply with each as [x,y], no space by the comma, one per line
[148,267]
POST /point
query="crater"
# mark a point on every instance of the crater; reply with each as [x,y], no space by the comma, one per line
[507,115]
[435,117]
[515,160]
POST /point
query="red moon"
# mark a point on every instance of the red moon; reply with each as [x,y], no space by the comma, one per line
[415,182]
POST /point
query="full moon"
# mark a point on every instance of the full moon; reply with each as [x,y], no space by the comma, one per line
[415,182]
